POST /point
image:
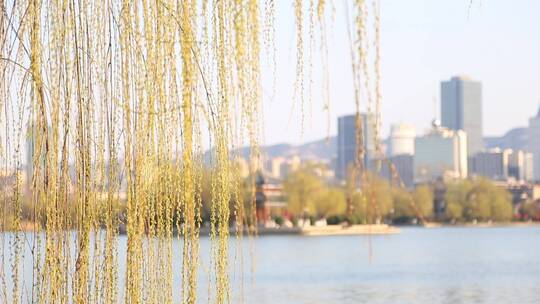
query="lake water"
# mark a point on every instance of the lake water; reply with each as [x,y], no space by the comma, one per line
[444,265]
[440,265]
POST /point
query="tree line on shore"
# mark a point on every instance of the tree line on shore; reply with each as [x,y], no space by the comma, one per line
[381,201]
[309,196]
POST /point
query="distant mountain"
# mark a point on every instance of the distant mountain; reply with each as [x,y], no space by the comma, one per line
[515,139]
[323,149]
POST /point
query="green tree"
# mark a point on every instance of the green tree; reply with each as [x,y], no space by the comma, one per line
[379,197]
[402,203]
[360,208]
[501,205]
[415,204]
[302,188]
[478,205]
[423,200]
[330,202]
[454,210]
[480,200]
[456,199]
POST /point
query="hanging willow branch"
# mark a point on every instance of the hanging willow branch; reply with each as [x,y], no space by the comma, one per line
[113,102]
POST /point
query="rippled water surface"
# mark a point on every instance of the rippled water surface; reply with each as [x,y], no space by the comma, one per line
[443,265]
[440,265]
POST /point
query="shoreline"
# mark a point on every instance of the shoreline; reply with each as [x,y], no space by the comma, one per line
[329,230]
[364,229]
[477,225]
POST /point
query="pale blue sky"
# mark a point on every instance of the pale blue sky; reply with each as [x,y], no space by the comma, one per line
[423,42]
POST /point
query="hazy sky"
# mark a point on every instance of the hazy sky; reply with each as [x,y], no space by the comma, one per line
[423,42]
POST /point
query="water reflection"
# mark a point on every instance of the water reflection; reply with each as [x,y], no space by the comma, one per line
[444,265]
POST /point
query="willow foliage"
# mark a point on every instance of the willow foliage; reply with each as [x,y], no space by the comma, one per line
[112,102]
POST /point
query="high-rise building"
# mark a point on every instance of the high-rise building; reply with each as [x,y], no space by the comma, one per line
[534,143]
[441,153]
[401,139]
[346,142]
[493,164]
[398,168]
[528,167]
[461,109]
[502,164]
[520,166]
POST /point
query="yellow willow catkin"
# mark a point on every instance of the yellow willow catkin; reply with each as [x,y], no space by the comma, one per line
[17,241]
[374,110]
[11,196]
[238,210]
[358,59]
[42,145]
[254,100]
[133,275]
[241,52]
[311,45]
[106,278]
[299,82]
[190,222]
[377,68]
[165,202]
[85,196]
[147,120]
[4,213]
[356,44]
[55,268]
[221,182]
[324,63]
[119,98]
[270,41]
[250,114]
[242,63]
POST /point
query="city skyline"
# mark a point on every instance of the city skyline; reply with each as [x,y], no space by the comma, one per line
[489,139]
[433,42]
[453,148]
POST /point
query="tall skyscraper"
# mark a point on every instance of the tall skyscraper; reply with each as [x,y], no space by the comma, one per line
[346,142]
[534,143]
[461,109]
